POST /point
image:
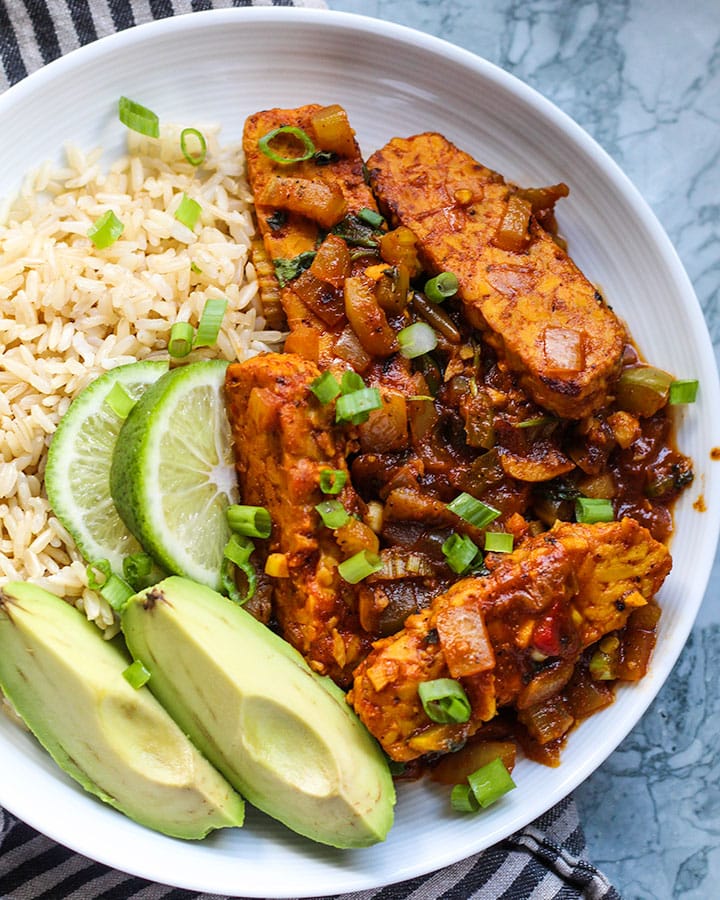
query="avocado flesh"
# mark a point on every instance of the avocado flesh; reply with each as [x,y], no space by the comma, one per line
[66,683]
[282,736]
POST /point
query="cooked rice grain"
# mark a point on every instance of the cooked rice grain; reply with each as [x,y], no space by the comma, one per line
[69,312]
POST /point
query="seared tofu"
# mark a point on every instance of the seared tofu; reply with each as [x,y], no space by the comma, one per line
[283,439]
[553,596]
[535,307]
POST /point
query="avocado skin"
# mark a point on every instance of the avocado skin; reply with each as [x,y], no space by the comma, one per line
[284,737]
[66,683]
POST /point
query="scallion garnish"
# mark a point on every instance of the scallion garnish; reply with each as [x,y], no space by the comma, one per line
[210,322]
[490,782]
[181,339]
[534,422]
[357,406]
[332,481]
[351,382]
[308,146]
[441,287]
[251,521]
[136,674]
[460,552]
[444,700]
[462,799]
[683,392]
[138,117]
[473,511]
[333,513]
[370,217]
[416,340]
[102,579]
[359,566]
[119,401]
[325,387]
[105,230]
[188,212]
[195,159]
[498,542]
[237,552]
[590,509]
[136,569]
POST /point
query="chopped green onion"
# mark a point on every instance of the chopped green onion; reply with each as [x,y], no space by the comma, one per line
[98,573]
[194,267]
[490,782]
[332,481]
[357,406]
[371,218]
[105,230]
[181,339]
[683,392]
[590,509]
[195,159]
[498,542]
[136,569]
[325,387]
[108,585]
[441,287]
[473,511]
[536,420]
[359,566]
[287,270]
[210,322]
[460,552]
[138,117]
[333,513]
[351,382]
[601,667]
[462,799]
[444,700]
[119,401]
[188,212]
[251,521]
[308,146]
[416,340]
[136,674]
[238,551]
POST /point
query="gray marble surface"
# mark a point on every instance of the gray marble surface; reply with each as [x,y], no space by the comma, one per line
[643,77]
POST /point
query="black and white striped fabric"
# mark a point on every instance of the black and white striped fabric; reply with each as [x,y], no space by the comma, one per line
[544,861]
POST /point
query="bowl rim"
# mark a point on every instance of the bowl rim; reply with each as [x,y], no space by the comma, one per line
[482,68]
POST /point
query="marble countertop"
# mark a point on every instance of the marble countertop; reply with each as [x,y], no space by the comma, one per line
[643,78]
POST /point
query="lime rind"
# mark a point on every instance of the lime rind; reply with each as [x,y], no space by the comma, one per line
[77,475]
[173,474]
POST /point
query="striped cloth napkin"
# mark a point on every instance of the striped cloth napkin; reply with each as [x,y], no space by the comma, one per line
[544,861]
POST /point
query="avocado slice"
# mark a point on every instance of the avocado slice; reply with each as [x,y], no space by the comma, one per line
[67,685]
[282,735]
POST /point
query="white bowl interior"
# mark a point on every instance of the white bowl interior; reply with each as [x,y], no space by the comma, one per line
[220,66]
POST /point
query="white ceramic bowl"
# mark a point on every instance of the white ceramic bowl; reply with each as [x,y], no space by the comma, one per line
[220,66]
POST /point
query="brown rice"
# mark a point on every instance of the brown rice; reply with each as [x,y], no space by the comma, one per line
[69,312]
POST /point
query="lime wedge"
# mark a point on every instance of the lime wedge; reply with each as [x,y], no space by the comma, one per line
[172,475]
[77,476]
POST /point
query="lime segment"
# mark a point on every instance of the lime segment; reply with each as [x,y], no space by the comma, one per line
[172,475]
[77,477]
